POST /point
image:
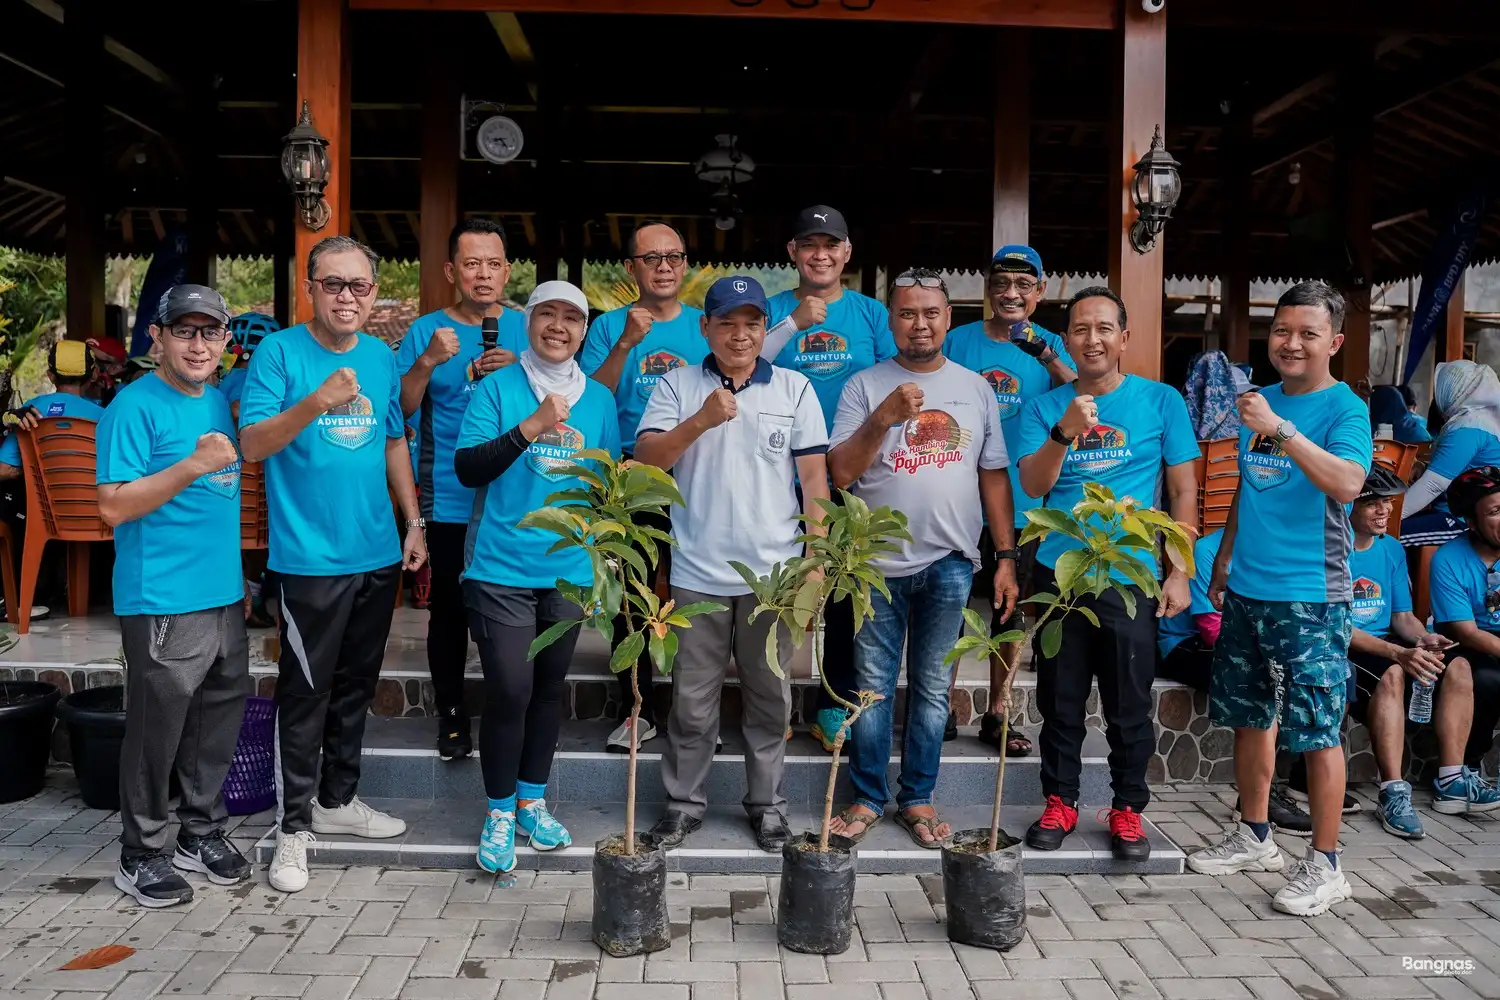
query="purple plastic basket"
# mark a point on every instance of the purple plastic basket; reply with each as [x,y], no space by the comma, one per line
[251,784]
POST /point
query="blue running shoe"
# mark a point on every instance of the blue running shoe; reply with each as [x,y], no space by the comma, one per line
[542,828]
[497,844]
[1467,793]
[825,727]
[1396,812]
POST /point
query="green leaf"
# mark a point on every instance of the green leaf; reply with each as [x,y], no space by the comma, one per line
[1089,614]
[663,651]
[1052,638]
[773,652]
[699,608]
[627,652]
[555,519]
[1043,598]
[627,553]
[547,638]
[1139,574]
[1070,565]
[756,584]
[976,624]
[1180,552]
[1055,520]
[1129,599]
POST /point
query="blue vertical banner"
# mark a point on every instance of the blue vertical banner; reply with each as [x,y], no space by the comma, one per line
[1445,267]
[168,267]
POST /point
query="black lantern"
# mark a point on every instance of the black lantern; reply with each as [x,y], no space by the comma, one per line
[1155,192]
[304,164]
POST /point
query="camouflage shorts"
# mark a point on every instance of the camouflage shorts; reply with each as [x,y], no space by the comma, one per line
[1285,663]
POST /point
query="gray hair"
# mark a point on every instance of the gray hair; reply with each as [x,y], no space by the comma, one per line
[340,244]
[1316,293]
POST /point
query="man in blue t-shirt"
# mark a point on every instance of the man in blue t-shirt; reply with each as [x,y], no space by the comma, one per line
[169,484]
[1021,361]
[1131,435]
[1280,665]
[322,410]
[440,361]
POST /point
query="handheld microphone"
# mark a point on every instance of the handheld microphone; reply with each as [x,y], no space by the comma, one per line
[489,330]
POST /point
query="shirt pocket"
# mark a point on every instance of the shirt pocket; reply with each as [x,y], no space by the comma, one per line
[773,436]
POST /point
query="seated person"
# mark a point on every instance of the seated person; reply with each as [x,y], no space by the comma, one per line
[1186,642]
[70,366]
[1390,652]
[1465,585]
[1468,395]
[1390,404]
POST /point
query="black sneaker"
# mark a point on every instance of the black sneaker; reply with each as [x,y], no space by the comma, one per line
[212,855]
[950,731]
[151,880]
[1127,837]
[454,738]
[1299,797]
[1287,816]
[1058,819]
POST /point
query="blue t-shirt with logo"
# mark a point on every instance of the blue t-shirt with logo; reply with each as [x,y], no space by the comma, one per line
[497,551]
[50,404]
[1294,541]
[1461,449]
[1381,585]
[856,334]
[673,343]
[1142,426]
[1016,377]
[1464,588]
[1171,631]
[330,507]
[185,555]
[441,412]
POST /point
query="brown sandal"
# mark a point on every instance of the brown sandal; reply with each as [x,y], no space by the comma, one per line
[847,815]
[929,823]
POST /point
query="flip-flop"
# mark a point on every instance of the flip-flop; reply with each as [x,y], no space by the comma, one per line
[1017,745]
[847,815]
[929,823]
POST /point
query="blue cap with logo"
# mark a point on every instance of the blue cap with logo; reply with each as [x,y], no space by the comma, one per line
[728,294]
[1017,257]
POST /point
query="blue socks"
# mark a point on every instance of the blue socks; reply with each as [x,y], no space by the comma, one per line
[1261,830]
[505,805]
[526,790]
[1332,856]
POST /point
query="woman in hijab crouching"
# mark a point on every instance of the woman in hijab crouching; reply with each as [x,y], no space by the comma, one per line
[524,423]
[1468,395]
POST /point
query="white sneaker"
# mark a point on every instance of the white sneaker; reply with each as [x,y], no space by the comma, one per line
[1240,851]
[289,866]
[619,740]
[1313,885]
[356,819]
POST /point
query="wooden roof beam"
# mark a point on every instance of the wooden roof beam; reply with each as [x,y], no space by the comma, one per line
[122,52]
[1317,84]
[517,46]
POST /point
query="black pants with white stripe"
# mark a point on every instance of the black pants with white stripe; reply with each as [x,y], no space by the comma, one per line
[333,633]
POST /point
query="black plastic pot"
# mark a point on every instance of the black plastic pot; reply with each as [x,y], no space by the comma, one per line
[25,736]
[815,913]
[630,897]
[96,728]
[984,891]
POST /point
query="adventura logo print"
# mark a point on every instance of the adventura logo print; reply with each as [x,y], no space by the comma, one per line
[932,438]
[1007,391]
[652,367]
[1368,601]
[1265,466]
[351,425]
[554,451]
[1098,450]
[823,355]
[225,482]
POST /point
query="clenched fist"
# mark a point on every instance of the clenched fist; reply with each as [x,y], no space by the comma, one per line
[337,389]
[1080,415]
[719,407]
[637,324]
[810,312]
[214,451]
[1256,413]
[553,411]
[901,405]
[443,345]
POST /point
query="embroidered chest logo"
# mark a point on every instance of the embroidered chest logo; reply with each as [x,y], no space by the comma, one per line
[1265,465]
[932,437]
[554,451]
[1099,450]
[823,355]
[777,441]
[351,425]
[1368,601]
[1007,391]
[653,366]
[225,482]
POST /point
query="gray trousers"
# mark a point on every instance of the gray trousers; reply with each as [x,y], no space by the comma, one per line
[187,677]
[697,681]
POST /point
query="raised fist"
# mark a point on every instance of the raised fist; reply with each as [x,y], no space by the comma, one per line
[719,407]
[1080,415]
[443,345]
[214,451]
[810,312]
[338,389]
[1022,335]
[637,324]
[901,405]
[553,411]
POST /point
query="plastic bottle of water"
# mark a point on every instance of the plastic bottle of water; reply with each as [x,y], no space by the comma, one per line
[1420,709]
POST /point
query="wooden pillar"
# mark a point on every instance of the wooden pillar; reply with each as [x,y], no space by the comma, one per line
[1354,154]
[440,138]
[1234,240]
[1012,220]
[202,208]
[573,251]
[83,114]
[1451,346]
[323,81]
[1140,104]
[283,280]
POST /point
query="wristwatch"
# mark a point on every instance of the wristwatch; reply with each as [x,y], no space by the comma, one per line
[417,522]
[1285,431]
[1008,554]
[1047,357]
[1057,435]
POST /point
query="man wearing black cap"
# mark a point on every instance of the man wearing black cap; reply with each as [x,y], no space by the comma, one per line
[841,332]
[169,484]
[732,419]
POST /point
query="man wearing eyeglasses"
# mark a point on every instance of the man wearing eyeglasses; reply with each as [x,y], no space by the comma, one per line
[628,350]
[322,409]
[921,434]
[1020,360]
[441,360]
[169,484]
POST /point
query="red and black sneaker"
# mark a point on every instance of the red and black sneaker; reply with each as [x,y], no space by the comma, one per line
[1127,838]
[1059,819]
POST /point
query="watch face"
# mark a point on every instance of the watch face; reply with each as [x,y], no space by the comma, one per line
[499,139]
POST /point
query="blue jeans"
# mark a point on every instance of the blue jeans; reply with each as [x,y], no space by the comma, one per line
[925,613]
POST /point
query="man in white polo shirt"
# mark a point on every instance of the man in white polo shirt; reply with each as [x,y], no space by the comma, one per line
[738,434]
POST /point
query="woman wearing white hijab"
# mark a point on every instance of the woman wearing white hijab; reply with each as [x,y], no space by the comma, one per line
[523,424]
[1468,395]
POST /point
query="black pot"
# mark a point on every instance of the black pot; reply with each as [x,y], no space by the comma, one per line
[630,897]
[815,913]
[984,891]
[96,728]
[25,736]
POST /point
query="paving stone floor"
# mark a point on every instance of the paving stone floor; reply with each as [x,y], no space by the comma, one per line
[374,933]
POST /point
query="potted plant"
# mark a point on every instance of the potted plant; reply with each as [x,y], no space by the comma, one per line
[983,886]
[603,518]
[25,731]
[95,718]
[815,912]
